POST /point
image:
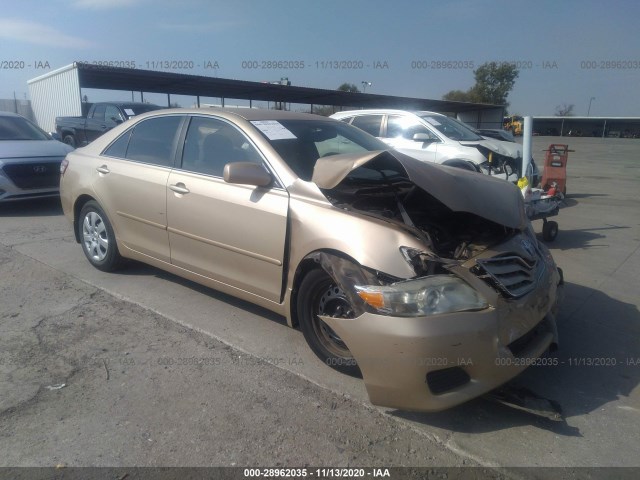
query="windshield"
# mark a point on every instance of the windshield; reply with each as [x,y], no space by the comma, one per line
[301,142]
[450,127]
[18,128]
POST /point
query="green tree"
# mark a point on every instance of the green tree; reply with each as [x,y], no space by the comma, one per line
[494,82]
[460,96]
[564,110]
[348,87]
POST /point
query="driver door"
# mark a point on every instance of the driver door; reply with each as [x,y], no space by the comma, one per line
[234,234]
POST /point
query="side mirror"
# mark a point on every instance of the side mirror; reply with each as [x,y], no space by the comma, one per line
[116,120]
[422,137]
[247,173]
[55,136]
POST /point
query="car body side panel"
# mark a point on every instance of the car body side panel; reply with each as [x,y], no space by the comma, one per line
[232,233]
[133,195]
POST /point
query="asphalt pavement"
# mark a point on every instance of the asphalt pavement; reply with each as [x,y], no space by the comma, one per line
[143,368]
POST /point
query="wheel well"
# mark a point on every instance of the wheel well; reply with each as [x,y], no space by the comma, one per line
[80,202]
[305,266]
[459,163]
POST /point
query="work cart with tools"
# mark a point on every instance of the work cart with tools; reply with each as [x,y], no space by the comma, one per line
[544,202]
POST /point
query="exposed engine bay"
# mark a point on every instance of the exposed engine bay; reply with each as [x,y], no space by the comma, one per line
[375,189]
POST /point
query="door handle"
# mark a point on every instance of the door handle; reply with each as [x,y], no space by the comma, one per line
[103,127]
[103,169]
[179,188]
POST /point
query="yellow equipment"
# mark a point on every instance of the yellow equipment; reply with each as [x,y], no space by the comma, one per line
[513,124]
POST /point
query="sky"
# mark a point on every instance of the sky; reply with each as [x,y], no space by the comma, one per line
[569,52]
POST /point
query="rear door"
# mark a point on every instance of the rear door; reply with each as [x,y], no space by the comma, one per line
[234,234]
[131,183]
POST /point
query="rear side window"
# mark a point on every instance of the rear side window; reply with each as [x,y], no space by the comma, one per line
[118,148]
[151,141]
[368,123]
[154,141]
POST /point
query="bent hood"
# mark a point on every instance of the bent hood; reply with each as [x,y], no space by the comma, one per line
[507,149]
[462,191]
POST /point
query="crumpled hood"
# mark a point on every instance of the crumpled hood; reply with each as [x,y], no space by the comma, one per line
[33,148]
[462,191]
[497,146]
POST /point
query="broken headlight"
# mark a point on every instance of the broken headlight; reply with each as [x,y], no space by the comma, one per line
[422,297]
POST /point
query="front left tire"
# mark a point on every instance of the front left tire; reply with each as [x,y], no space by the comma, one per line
[97,238]
[320,295]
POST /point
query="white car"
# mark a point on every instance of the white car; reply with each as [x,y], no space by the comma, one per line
[433,137]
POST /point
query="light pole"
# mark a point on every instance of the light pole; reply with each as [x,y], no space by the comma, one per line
[365,85]
[589,109]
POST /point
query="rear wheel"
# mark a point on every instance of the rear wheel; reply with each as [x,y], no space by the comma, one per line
[97,238]
[319,295]
[69,140]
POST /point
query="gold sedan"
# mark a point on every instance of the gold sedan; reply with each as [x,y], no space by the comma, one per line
[426,280]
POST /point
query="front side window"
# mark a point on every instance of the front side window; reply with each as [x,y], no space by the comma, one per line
[112,114]
[153,141]
[406,127]
[451,128]
[211,144]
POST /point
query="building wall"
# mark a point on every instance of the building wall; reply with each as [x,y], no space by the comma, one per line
[489,118]
[55,94]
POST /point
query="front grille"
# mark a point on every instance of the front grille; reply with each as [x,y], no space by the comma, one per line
[34,175]
[510,274]
[441,381]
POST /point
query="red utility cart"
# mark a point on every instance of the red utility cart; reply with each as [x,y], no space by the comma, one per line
[555,167]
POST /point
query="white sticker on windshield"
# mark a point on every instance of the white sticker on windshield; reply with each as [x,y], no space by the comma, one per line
[432,121]
[273,129]
[129,112]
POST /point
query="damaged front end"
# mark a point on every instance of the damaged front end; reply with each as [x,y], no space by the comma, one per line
[483,292]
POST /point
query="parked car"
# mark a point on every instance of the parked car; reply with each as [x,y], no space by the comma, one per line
[433,137]
[497,134]
[426,280]
[508,142]
[29,160]
[102,117]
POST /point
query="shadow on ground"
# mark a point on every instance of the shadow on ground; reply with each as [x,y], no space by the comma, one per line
[41,207]
[133,268]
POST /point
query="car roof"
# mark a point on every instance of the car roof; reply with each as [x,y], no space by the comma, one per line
[120,103]
[265,114]
[385,110]
[245,113]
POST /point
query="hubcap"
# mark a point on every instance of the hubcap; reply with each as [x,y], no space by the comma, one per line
[332,303]
[94,236]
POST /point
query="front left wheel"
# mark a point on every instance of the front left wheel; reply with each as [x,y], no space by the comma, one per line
[319,295]
[97,238]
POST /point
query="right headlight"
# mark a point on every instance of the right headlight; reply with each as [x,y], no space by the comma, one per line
[422,296]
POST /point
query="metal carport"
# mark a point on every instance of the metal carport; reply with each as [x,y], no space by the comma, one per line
[59,93]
